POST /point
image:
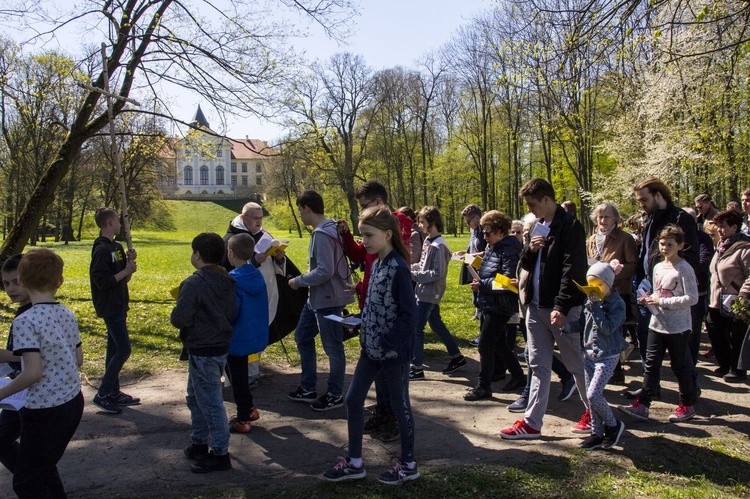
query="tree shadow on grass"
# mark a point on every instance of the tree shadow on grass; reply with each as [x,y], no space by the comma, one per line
[658,454]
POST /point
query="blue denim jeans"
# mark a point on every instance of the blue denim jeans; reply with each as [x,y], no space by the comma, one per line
[118,352]
[430,313]
[311,322]
[208,418]
[396,378]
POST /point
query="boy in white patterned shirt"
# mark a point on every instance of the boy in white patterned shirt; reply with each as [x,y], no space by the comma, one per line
[47,339]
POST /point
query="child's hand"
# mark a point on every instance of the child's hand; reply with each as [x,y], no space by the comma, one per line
[652,299]
[130,266]
[594,297]
[351,289]
[474,285]
[132,255]
[293,285]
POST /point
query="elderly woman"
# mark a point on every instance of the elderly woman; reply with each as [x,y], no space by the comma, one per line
[497,305]
[608,243]
[730,277]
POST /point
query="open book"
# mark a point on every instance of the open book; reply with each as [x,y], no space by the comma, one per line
[15,401]
[271,246]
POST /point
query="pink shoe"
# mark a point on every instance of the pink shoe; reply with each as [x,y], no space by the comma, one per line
[520,430]
[682,413]
[637,410]
[584,425]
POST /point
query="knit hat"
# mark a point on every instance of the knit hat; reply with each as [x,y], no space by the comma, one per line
[603,271]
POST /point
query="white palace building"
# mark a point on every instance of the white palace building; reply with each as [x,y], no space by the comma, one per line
[206,165]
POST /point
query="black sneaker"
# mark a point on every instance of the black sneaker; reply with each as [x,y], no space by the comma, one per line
[123,399]
[634,394]
[455,364]
[416,374]
[212,462]
[391,431]
[375,422]
[477,393]
[327,402]
[343,470]
[302,396]
[591,443]
[474,342]
[612,435]
[399,474]
[196,451]
[106,404]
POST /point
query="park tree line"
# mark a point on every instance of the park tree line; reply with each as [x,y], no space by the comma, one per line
[588,94]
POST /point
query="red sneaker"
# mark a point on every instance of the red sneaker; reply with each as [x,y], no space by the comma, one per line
[584,425]
[254,414]
[520,430]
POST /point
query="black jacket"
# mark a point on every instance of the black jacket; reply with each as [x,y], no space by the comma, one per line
[563,261]
[654,224]
[110,297]
[500,258]
[205,306]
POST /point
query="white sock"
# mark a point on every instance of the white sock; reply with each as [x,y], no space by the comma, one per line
[356,462]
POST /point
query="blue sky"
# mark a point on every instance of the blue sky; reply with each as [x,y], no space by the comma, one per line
[388,33]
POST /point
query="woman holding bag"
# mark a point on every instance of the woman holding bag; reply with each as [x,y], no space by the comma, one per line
[497,305]
[730,277]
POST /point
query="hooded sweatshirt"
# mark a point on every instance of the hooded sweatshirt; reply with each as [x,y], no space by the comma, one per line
[205,306]
[328,269]
[110,297]
[250,325]
[432,270]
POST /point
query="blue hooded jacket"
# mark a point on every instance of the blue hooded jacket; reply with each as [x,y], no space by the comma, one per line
[250,325]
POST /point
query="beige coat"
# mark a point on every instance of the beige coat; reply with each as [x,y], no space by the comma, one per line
[730,273]
[618,245]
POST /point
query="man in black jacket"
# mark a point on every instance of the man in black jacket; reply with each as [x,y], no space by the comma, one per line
[555,257]
[655,198]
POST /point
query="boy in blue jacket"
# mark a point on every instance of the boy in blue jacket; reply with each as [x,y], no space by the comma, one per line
[250,327]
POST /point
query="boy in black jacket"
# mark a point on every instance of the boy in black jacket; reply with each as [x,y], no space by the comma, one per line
[205,306]
[110,272]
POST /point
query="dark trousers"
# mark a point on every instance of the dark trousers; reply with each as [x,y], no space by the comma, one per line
[118,352]
[45,434]
[726,335]
[511,331]
[677,345]
[396,377]
[243,397]
[10,430]
[493,339]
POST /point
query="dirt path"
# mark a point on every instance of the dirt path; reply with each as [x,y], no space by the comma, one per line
[140,451]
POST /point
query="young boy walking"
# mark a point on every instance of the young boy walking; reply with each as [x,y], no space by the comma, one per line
[47,338]
[109,273]
[203,313]
[250,327]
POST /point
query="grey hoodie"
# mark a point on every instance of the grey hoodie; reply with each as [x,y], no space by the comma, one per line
[432,270]
[329,271]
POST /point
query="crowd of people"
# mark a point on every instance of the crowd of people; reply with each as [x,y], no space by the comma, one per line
[648,284]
